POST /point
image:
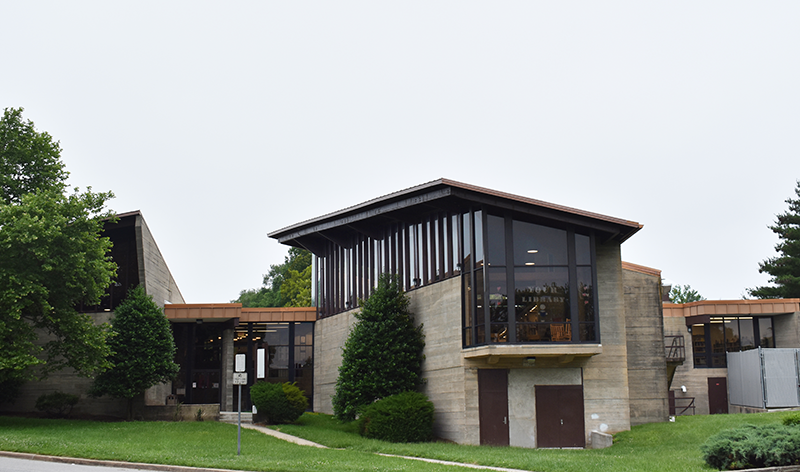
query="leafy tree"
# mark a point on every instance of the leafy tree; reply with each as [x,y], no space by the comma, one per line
[784,269]
[30,160]
[685,294]
[383,353]
[296,269]
[142,347]
[52,258]
[296,289]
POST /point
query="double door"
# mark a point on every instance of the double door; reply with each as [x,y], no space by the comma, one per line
[558,412]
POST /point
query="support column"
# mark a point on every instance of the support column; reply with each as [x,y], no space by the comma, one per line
[226,374]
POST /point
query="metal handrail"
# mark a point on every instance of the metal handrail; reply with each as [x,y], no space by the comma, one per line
[685,408]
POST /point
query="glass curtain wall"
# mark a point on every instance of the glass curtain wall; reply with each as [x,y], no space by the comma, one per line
[538,282]
[711,341]
[287,353]
[420,253]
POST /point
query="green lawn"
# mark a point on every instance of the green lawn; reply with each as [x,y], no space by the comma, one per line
[652,447]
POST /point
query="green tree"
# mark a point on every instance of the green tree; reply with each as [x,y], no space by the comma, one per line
[273,294]
[30,159]
[784,269]
[685,294]
[383,353]
[143,350]
[52,258]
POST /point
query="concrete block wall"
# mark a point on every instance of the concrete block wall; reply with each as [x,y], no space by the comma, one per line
[68,381]
[438,308]
[787,330]
[330,335]
[605,376]
[644,328]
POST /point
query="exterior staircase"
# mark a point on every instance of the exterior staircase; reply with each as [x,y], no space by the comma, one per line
[233,417]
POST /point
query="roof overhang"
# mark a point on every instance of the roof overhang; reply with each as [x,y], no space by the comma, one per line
[406,206]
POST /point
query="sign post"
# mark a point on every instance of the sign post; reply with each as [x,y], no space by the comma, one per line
[239,378]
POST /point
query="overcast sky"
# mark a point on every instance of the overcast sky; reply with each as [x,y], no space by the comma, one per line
[225,121]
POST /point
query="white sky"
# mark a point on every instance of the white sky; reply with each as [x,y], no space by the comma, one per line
[223,122]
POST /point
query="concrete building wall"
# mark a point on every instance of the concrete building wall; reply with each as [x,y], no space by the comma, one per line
[522,384]
[605,376]
[644,328]
[452,382]
[330,335]
[787,330]
[695,380]
[453,390]
[153,271]
[67,381]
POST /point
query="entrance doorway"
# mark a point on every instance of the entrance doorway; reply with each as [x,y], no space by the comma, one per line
[559,416]
[717,395]
[493,406]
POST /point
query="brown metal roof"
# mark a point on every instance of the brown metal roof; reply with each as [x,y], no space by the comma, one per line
[443,192]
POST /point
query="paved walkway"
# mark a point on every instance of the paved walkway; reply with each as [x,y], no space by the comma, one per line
[304,442]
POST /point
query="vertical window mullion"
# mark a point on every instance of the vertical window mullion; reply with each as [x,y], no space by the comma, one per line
[511,303]
[573,286]
[424,243]
[440,252]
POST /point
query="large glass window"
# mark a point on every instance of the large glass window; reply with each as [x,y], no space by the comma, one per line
[551,274]
[711,341]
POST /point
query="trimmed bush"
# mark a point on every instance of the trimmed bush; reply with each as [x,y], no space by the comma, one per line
[57,404]
[405,417]
[753,447]
[792,419]
[280,403]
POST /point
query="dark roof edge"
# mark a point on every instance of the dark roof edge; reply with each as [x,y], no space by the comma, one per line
[632,225]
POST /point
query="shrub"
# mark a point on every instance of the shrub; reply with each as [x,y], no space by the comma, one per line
[383,353]
[792,419]
[753,447]
[280,403]
[405,417]
[58,404]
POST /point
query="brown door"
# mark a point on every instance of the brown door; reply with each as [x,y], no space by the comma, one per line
[493,406]
[559,416]
[717,395]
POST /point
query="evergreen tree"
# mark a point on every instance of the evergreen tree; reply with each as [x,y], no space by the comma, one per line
[143,349]
[785,268]
[383,353]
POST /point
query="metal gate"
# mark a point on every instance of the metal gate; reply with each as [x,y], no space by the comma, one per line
[764,378]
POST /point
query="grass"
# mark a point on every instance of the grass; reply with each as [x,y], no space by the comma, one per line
[651,447]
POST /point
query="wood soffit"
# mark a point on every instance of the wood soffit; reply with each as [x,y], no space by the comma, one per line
[440,195]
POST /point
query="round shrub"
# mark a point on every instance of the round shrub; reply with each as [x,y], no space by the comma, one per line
[58,404]
[753,447]
[792,419]
[280,403]
[405,417]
